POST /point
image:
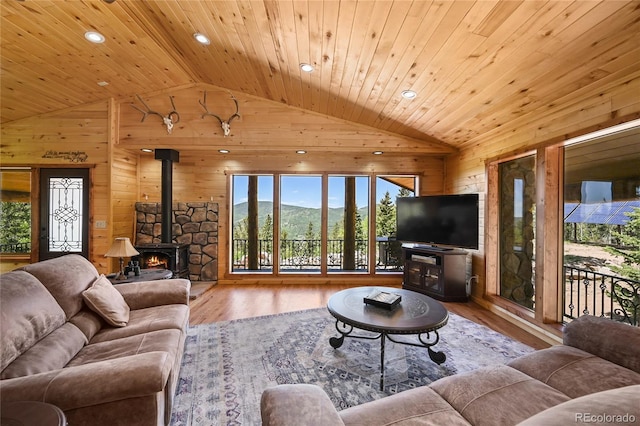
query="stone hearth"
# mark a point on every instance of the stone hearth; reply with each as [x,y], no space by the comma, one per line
[193,223]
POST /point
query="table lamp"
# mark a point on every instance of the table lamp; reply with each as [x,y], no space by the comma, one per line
[121,248]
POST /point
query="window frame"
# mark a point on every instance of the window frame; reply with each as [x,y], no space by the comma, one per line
[324,272]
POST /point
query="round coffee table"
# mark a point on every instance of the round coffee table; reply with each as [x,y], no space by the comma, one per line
[415,314]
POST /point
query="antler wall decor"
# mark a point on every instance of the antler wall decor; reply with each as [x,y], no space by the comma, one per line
[226,125]
[169,120]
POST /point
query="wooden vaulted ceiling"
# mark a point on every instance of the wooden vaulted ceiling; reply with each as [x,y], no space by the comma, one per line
[475,65]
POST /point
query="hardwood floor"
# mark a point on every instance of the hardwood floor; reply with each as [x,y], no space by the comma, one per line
[229,302]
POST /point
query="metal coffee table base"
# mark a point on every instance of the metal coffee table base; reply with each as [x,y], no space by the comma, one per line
[345,330]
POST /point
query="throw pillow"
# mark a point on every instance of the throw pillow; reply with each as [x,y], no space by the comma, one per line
[106,301]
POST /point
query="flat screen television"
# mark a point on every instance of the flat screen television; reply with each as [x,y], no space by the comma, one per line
[439,220]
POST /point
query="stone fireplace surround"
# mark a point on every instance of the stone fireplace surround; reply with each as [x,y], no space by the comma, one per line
[193,223]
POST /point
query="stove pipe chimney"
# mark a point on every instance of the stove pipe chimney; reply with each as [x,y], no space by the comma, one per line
[168,156]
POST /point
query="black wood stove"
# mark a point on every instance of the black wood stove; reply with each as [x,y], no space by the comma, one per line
[172,256]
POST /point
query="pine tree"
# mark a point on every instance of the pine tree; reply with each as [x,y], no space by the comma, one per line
[630,240]
[310,234]
[240,230]
[360,234]
[337,232]
[309,237]
[628,295]
[386,217]
[266,232]
[404,192]
[15,223]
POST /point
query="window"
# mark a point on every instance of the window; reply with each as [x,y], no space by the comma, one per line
[252,219]
[388,188]
[601,206]
[314,224]
[300,223]
[348,223]
[15,211]
[65,214]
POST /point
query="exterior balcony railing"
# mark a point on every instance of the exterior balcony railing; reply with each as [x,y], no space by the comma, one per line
[299,255]
[15,248]
[592,293]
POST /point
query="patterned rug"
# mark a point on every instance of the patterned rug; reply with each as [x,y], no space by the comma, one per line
[227,365]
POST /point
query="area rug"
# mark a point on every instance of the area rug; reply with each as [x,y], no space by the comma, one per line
[227,365]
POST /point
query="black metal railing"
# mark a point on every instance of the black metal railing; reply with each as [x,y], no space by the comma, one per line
[241,259]
[15,248]
[587,292]
[299,254]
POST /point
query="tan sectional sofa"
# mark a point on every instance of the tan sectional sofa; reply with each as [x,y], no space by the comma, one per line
[593,378]
[56,349]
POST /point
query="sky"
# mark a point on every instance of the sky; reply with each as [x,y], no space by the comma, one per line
[305,191]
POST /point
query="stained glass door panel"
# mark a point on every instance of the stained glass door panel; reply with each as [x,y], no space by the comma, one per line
[64,212]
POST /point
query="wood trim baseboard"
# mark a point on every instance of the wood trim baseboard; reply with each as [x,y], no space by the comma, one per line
[550,333]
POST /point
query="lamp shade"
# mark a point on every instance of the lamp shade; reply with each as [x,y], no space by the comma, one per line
[121,247]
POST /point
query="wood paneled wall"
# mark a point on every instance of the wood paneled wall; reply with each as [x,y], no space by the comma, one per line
[124,192]
[264,127]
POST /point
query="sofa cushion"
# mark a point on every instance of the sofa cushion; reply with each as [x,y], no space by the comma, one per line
[88,322]
[612,407]
[107,302]
[51,353]
[145,294]
[146,320]
[29,313]
[611,340]
[497,395]
[66,277]
[565,368]
[420,406]
[91,385]
[161,341]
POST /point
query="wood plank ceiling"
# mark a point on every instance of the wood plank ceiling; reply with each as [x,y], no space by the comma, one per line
[475,65]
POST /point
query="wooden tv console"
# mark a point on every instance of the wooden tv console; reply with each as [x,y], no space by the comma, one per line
[436,272]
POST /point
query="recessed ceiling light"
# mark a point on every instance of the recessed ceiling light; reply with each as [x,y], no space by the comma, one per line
[202,38]
[409,94]
[301,151]
[377,152]
[223,151]
[146,150]
[306,67]
[94,37]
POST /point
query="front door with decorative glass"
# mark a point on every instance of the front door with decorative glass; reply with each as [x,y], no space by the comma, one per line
[64,212]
